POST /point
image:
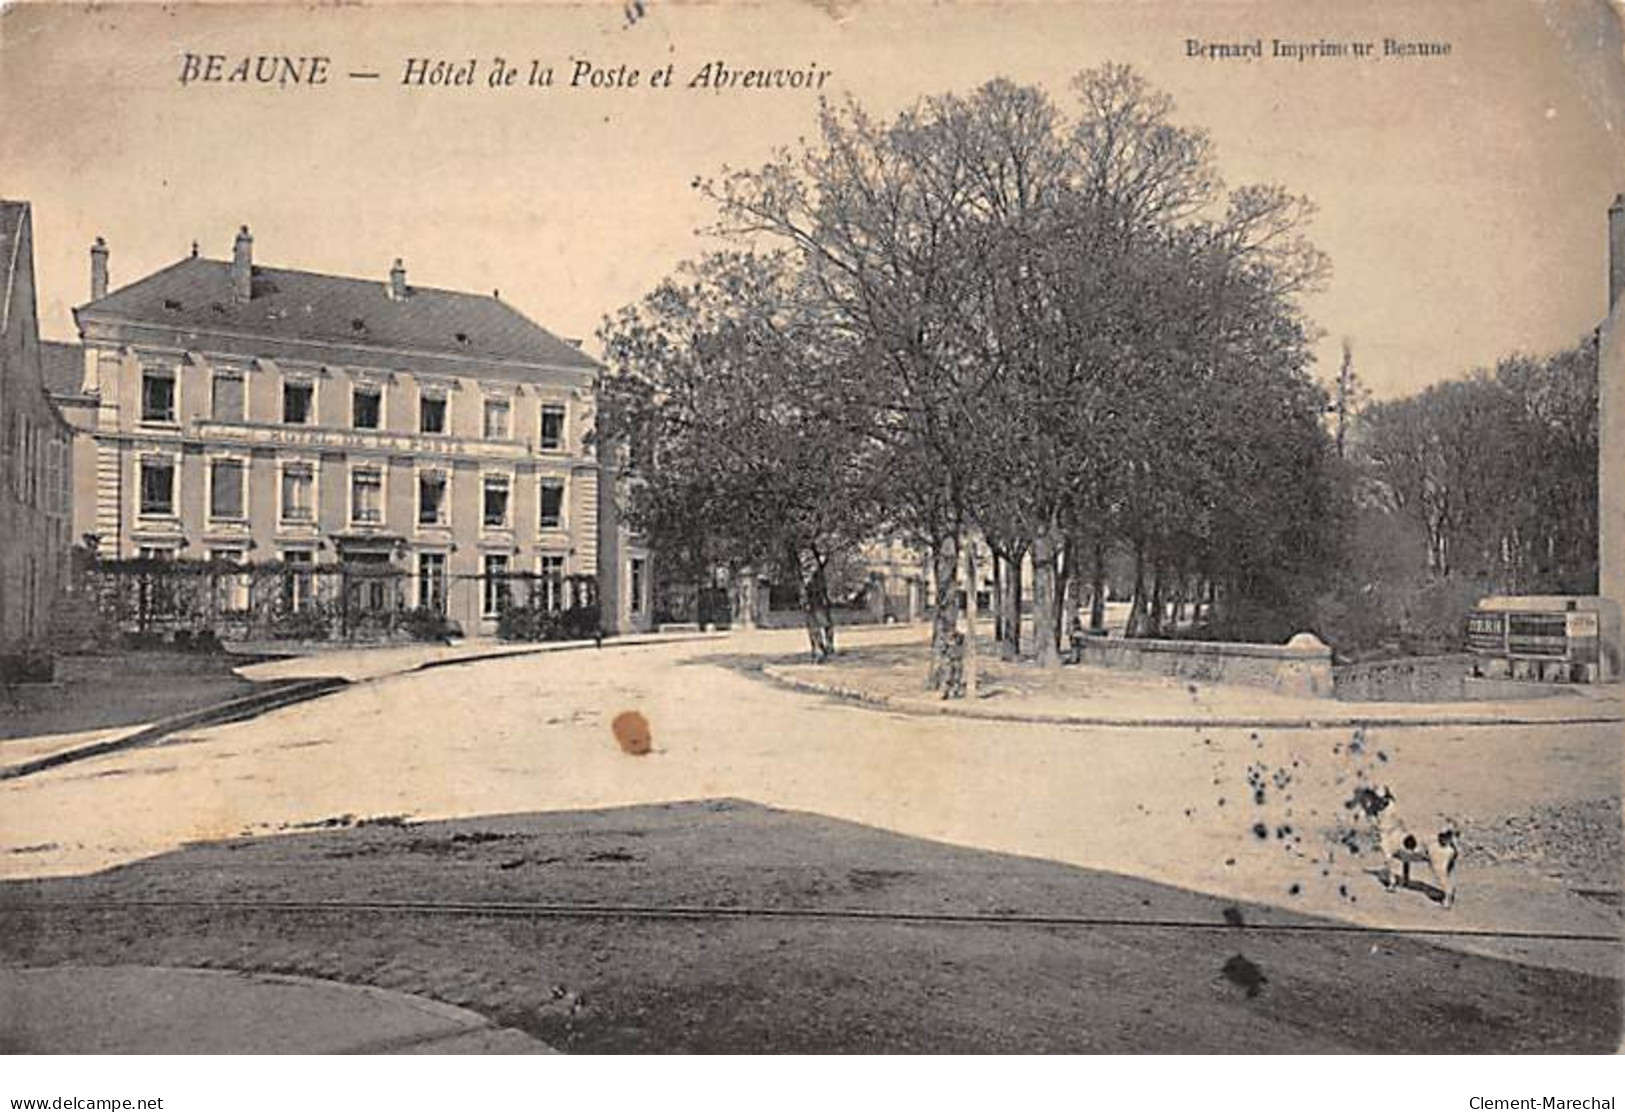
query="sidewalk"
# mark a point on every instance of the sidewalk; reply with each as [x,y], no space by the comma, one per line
[1082,696]
[132,1009]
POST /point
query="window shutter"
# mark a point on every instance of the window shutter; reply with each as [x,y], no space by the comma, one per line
[228,398]
[226,489]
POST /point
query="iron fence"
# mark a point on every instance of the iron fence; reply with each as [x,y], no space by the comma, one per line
[182,601]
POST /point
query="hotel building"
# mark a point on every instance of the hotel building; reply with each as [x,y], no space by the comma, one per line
[258,414]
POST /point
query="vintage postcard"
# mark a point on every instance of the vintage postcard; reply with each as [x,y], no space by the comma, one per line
[866,526]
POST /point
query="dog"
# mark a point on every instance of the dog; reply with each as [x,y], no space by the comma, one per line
[1402,847]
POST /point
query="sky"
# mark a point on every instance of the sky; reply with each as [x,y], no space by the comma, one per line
[1462,198]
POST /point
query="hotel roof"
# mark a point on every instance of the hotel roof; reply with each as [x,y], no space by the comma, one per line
[291,309]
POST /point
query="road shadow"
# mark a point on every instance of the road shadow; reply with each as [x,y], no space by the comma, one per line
[724,926]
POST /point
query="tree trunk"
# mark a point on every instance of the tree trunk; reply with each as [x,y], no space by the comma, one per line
[1071,589]
[1010,605]
[1046,600]
[1097,590]
[820,621]
[1153,626]
[945,615]
[744,585]
[998,596]
[968,660]
[1136,610]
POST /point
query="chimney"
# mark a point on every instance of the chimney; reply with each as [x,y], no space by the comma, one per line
[242,265]
[1616,251]
[98,269]
[397,281]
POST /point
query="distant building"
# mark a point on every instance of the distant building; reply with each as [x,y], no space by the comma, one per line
[35,442]
[1611,446]
[1611,418]
[254,414]
[63,366]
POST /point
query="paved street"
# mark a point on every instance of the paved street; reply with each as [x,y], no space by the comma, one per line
[530,735]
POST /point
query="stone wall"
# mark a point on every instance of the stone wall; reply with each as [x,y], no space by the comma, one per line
[1302,667]
[1430,679]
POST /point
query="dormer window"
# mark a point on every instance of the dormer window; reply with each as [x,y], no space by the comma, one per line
[172,305]
[462,337]
[358,325]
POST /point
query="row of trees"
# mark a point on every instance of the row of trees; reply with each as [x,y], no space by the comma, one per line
[1475,486]
[1497,471]
[1055,328]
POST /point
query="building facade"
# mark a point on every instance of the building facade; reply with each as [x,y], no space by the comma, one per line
[254,414]
[1611,419]
[35,447]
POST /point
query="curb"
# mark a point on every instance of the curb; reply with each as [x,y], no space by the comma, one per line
[631,641]
[1334,721]
[234,710]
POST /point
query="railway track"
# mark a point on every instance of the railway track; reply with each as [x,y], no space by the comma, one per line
[537,910]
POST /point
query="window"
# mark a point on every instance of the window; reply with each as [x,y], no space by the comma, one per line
[552,508]
[297,402]
[53,476]
[297,579]
[298,493]
[432,414]
[497,591]
[553,583]
[637,576]
[158,396]
[157,486]
[366,496]
[496,419]
[226,489]
[552,428]
[432,498]
[367,407]
[25,452]
[496,501]
[227,401]
[432,581]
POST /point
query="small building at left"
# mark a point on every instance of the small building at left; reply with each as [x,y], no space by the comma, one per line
[36,475]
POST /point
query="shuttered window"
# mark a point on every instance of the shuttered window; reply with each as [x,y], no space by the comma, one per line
[227,403]
[226,489]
